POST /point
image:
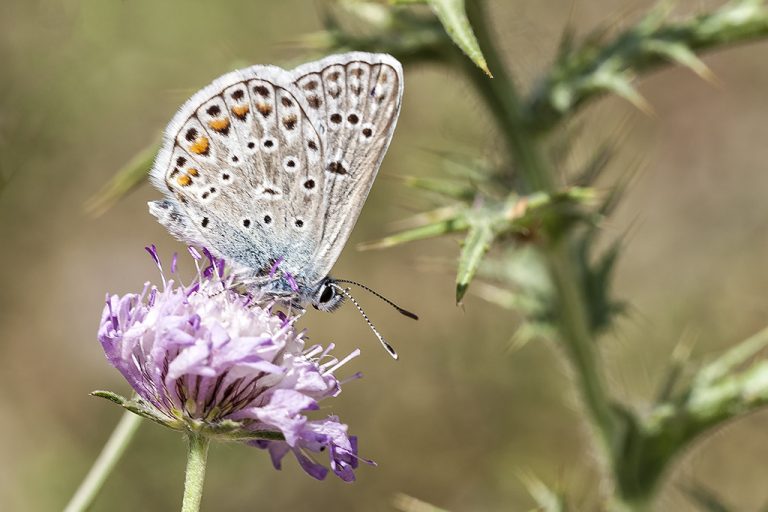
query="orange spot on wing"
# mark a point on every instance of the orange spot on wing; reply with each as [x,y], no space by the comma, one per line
[200,146]
[219,125]
[184,180]
[264,109]
[193,172]
[241,111]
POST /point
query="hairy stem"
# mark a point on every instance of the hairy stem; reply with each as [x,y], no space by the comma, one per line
[197,454]
[503,102]
[501,97]
[105,463]
[635,50]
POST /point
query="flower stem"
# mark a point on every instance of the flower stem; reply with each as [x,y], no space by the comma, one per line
[105,463]
[197,453]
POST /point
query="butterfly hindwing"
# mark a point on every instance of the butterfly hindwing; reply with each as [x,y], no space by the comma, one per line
[239,163]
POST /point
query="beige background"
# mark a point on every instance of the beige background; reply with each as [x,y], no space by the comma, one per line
[85,85]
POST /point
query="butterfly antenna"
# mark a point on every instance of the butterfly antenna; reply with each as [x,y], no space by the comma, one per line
[400,310]
[387,346]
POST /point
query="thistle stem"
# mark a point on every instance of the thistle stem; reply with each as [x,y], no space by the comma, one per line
[111,453]
[197,454]
[537,174]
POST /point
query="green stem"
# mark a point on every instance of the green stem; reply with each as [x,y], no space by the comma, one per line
[105,463]
[579,344]
[197,454]
[503,102]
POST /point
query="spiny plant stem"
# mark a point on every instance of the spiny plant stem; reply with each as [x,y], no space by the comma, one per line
[504,104]
[105,463]
[579,342]
[502,99]
[197,454]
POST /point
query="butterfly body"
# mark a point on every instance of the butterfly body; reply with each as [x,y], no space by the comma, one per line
[269,168]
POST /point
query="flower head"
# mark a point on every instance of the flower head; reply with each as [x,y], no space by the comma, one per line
[203,358]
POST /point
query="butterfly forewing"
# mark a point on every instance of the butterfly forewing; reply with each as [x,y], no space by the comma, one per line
[354,101]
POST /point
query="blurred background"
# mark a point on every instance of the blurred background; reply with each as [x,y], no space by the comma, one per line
[463,418]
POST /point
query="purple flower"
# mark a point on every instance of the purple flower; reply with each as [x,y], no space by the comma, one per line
[206,359]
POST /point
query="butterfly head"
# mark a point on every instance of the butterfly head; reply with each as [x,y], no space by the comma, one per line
[327,296]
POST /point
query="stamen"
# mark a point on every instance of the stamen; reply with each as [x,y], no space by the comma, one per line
[275,266]
[344,361]
[152,250]
[358,375]
[312,351]
[195,255]
[291,282]
[152,296]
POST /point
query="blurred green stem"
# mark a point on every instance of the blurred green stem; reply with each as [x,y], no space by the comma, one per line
[502,99]
[105,463]
[579,343]
[197,454]
[504,103]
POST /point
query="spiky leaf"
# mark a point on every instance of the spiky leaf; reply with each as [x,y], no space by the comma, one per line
[431,230]
[705,499]
[478,242]
[452,14]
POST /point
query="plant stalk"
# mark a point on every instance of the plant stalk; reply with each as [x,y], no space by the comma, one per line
[503,102]
[111,453]
[197,454]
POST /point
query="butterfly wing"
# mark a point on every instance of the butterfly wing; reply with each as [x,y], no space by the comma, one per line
[353,100]
[267,164]
[241,166]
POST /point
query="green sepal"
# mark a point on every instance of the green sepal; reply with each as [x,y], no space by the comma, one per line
[140,408]
[109,395]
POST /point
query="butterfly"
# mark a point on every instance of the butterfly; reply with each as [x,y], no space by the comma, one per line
[269,169]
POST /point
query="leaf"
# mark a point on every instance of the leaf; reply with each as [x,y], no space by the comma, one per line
[125,180]
[452,14]
[477,243]
[406,503]
[705,499]
[729,362]
[547,499]
[621,85]
[432,230]
[680,53]
[442,187]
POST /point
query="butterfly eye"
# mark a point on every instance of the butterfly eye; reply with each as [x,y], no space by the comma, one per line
[326,295]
